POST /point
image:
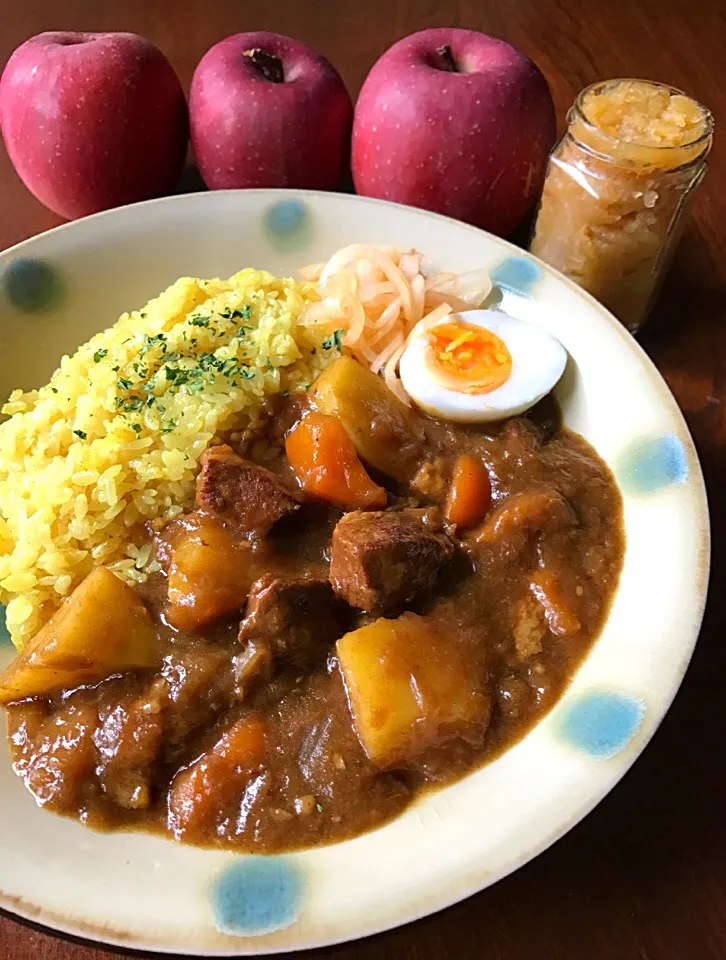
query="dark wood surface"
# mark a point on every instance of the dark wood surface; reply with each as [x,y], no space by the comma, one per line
[644,876]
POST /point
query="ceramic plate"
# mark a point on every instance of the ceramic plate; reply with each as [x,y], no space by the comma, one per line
[148,893]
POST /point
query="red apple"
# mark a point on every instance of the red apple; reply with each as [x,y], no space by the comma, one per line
[267,111]
[457,122]
[93,120]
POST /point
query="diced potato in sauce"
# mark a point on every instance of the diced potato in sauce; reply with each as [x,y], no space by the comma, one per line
[386,434]
[103,628]
[210,573]
[409,688]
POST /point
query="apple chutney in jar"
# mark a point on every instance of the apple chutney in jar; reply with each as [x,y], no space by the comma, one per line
[618,188]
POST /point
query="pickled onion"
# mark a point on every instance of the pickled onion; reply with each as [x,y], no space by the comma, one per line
[375,295]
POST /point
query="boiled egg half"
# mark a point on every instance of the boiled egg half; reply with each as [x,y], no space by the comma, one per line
[479,366]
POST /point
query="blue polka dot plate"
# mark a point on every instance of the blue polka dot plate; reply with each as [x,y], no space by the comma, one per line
[143,892]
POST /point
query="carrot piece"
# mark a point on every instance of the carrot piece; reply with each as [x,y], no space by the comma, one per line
[325,461]
[470,493]
[244,743]
[524,516]
[199,793]
[547,587]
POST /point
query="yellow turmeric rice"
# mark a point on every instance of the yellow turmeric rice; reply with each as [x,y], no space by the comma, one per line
[114,439]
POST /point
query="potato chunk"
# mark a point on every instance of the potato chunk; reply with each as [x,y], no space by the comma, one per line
[386,434]
[409,688]
[210,573]
[102,628]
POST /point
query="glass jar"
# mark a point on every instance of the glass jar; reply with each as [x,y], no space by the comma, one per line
[618,189]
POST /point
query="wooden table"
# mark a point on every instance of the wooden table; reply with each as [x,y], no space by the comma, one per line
[644,877]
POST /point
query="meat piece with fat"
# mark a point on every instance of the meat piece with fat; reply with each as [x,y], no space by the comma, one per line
[241,492]
[298,619]
[385,560]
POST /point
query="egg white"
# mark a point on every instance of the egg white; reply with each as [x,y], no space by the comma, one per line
[538,362]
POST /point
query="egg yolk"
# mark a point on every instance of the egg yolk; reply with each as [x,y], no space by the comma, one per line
[474,359]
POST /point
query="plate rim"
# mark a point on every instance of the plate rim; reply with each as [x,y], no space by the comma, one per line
[55,926]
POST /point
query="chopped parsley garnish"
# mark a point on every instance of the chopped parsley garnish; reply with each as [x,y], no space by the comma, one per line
[176,375]
[158,376]
[229,368]
[207,361]
[156,341]
[136,427]
[334,340]
[168,426]
[81,433]
[99,355]
[244,313]
[54,390]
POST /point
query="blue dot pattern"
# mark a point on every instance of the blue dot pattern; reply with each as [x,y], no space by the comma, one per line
[33,286]
[653,465]
[517,274]
[287,224]
[257,895]
[601,724]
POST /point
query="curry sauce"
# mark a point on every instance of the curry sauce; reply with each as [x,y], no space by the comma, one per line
[255,729]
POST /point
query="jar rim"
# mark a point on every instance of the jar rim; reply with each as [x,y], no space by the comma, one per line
[704,138]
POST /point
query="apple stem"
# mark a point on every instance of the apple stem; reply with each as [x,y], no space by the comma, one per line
[447,57]
[268,65]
